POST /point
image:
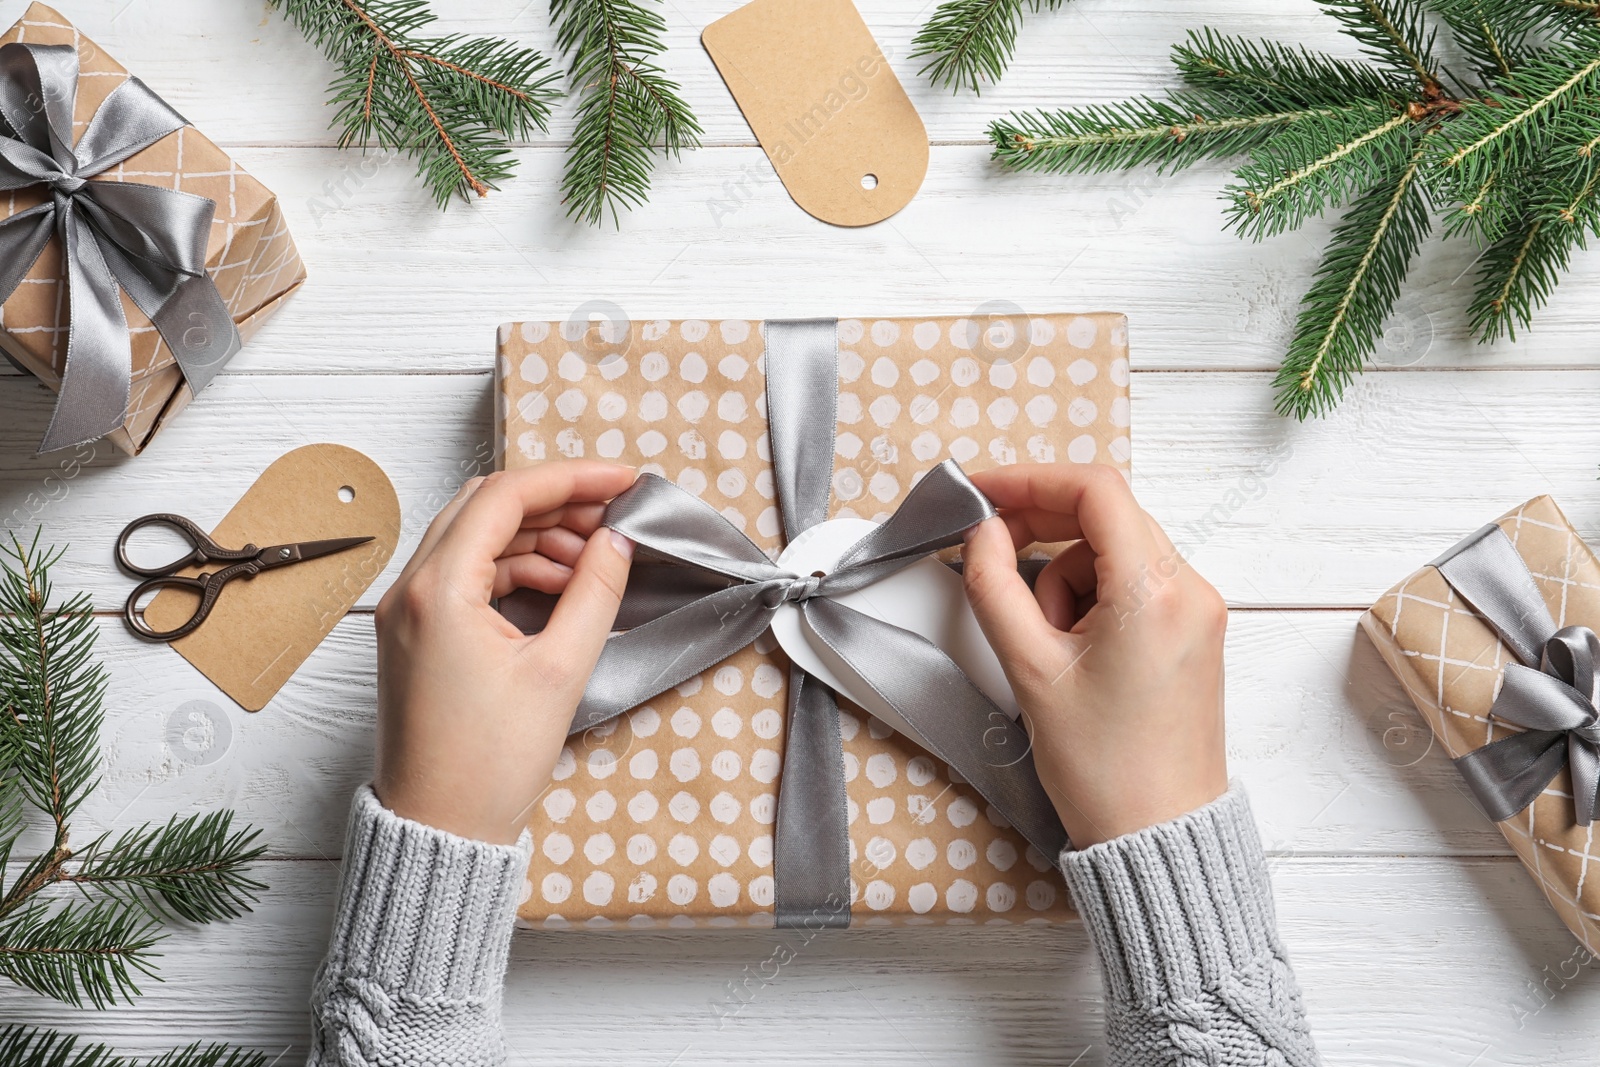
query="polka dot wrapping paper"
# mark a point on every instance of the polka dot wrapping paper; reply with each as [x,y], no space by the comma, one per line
[664,817]
[250,255]
[1450,662]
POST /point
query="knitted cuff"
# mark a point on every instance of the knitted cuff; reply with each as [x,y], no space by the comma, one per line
[424,913]
[1176,907]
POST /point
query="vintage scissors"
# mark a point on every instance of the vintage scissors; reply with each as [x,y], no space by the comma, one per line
[246,562]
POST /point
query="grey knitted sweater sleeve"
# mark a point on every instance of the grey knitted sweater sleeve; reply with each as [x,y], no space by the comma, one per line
[417,961]
[1181,915]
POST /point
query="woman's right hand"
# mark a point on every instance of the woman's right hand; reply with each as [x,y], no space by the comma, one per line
[1115,656]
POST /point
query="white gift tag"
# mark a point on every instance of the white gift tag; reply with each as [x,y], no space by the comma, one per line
[925,598]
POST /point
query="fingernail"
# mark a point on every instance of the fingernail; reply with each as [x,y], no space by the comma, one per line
[971,532]
[623,546]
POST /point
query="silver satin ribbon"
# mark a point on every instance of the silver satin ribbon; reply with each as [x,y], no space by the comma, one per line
[149,241]
[1553,693]
[702,590]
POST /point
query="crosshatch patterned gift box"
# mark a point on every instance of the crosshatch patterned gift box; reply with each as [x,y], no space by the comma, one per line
[1450,662]
[665,816]
[250,255]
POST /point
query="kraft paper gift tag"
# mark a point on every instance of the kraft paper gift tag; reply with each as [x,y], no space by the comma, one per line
[263,628]
[830,114]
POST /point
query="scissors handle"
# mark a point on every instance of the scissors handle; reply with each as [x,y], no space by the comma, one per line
[203,550]
[208,587]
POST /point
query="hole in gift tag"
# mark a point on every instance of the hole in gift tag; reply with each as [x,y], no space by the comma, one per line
[346,494]
[869,181]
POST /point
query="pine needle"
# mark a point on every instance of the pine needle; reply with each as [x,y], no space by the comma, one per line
[971,41]
[1517,275]
[451,103]
[94,947]
[1505,153]
[1511,127]
[1317,166]
[27,1046]
[193,868]
[1354,290]
[1173,134]
[629,110]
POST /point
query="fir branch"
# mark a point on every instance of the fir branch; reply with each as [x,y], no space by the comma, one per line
[198,1055]
[451,103]
[1493,34]
[1507,156]
[89,949]
[1316,166]
[51,686]
[78,952]
[1393,32]
[1280,78]
[194,868]
[1355,289]
[1517,274]
[1509,128]
[26,1046]
[1173,133]
[1492,208]
[971,41]
[629,109]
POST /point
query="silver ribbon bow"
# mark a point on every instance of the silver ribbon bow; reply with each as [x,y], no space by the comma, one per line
[1553,693]
[701,591]
[148,240]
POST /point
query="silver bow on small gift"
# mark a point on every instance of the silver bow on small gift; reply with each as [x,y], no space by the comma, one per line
[1553,693]
[701,591]
[146,240]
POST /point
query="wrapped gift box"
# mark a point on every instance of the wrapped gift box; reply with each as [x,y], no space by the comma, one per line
[665,816]
[1450,662]
[250,255]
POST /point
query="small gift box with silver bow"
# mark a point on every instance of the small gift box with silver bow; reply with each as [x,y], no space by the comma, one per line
[1493,643]
[135,256]
[795,475]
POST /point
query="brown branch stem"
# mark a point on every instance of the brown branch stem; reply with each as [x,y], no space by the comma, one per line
[401,59]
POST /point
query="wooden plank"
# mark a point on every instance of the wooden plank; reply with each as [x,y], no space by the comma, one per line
[1326,514]
[397,285]
[1402,962]
[244,74]
[1334,756]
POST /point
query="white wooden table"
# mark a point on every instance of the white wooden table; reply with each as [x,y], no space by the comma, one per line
[1417,936]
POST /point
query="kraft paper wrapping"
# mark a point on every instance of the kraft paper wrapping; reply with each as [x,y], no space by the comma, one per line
[251,257]
[1450,662]
[664,817]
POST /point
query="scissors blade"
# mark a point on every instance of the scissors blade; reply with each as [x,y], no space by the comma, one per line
[300,551]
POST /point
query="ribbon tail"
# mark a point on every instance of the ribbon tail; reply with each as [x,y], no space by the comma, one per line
[22,237]
[1485,571]
[652,658]
[1583,761]
[1509,774]
[154,242]
[811,857]
[950,716]
[98,375]
[653,590]
[801,357]
[199,329]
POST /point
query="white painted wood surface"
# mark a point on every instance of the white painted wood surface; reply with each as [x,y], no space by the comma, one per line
[1418,939]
